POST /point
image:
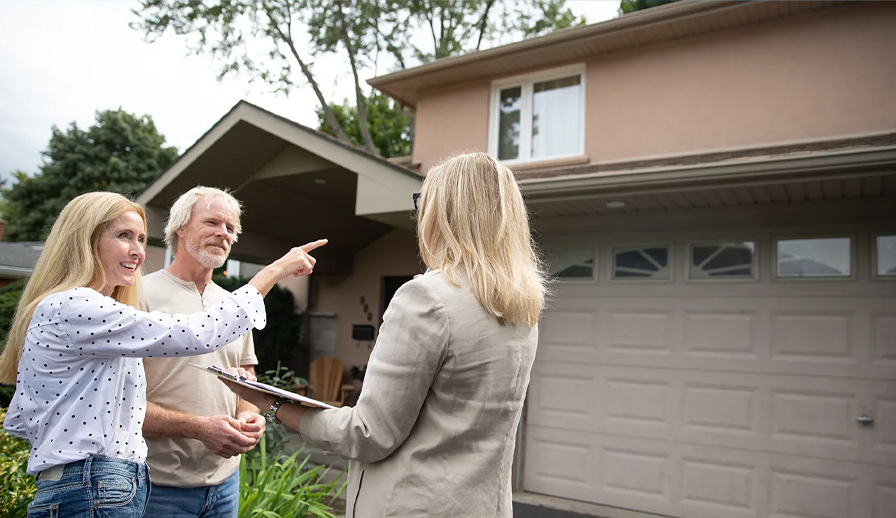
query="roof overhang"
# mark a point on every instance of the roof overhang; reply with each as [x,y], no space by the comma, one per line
[801,176]
[296,185]
[655,25]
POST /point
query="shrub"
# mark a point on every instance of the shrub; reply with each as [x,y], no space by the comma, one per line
[18,486]
[9,299]
[284,488]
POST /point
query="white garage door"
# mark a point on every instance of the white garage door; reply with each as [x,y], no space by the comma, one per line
[718,399]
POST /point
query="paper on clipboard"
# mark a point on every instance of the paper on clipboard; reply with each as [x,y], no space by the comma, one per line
[262,387]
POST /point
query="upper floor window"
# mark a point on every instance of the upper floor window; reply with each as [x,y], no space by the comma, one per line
[538,116]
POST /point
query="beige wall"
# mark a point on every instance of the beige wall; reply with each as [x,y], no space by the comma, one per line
[394,254]
[821,75]
[451,121]
[155,259]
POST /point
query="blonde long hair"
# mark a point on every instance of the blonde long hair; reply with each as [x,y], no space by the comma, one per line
[69,260]
[472,218]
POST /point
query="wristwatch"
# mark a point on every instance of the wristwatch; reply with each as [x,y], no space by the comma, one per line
[271,415]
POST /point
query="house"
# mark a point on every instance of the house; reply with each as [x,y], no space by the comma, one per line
[714,186]
[17,260]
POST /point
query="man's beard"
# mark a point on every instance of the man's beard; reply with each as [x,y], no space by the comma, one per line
[205,258]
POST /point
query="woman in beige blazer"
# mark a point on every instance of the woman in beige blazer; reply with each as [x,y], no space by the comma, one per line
[433,431]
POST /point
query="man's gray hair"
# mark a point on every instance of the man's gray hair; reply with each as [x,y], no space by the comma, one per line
[182,209]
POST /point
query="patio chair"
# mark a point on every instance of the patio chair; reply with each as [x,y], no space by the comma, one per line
[325,382]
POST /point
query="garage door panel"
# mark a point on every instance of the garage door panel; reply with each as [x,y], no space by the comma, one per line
[563,396]
[883,339]
[884,413]
[722,335]
[884,500]
[817,336]
[568,336]
[640,332]
[561,462]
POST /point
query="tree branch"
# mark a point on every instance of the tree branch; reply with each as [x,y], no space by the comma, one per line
[359,95]
[483,23]
[329,116]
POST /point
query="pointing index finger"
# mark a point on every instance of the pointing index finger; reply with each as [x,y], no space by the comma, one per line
[313,245]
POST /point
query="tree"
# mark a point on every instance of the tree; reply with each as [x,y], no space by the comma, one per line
[390,127]
[121,153]
[630,6]
[358,30]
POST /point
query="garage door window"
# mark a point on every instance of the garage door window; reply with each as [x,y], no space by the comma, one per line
[885,256]
[814,258]
[642,263]
[722,261]
[572,264]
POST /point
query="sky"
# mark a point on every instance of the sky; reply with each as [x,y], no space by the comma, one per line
[61,61]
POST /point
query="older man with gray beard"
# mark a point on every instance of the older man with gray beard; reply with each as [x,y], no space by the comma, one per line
[195,428]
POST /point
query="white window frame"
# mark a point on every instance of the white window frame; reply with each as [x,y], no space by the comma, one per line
[526,82]
[690,251]
[641,280]
[576,280]
[853,265]
[874,254]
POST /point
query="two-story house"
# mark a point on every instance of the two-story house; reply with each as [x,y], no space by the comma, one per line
[714,186]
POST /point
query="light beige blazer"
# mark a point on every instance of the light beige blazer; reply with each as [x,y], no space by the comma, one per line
[434,429]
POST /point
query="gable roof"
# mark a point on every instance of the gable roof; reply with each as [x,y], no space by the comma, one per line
[655,25]
[285,172]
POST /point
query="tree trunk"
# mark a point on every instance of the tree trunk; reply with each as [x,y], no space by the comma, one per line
[329,116]
[360,100]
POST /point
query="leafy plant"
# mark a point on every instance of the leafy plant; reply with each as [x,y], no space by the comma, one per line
[285,488]
[282,378]
[17,485]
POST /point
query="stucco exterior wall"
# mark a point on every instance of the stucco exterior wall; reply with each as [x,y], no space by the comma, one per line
[821,75]
[451,121]
[395,254]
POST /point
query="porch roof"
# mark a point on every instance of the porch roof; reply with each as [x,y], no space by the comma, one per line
[296,185]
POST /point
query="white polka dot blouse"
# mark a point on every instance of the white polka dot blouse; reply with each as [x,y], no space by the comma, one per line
[80,387]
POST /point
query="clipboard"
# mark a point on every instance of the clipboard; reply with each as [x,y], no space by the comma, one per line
[262,387]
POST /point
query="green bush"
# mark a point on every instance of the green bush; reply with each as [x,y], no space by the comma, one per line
[284,488]
[279,340]
[9,299]
[17,485]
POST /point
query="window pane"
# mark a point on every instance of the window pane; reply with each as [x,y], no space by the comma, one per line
[723,260]
[650,263]
[827,257]
[509,123]
[886,256]
[571,263]
[557,117]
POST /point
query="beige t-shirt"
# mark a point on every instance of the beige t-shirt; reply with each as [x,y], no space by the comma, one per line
[173,384]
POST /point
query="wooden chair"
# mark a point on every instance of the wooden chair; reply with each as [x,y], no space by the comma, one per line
[325,382]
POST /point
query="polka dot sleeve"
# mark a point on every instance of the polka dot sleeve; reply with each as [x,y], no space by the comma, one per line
[99,326]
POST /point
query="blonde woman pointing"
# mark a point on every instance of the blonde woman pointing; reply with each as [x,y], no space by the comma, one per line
[74,353]
[433,431]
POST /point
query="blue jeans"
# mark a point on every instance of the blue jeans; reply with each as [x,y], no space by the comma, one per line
[221,501]
[98,487]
